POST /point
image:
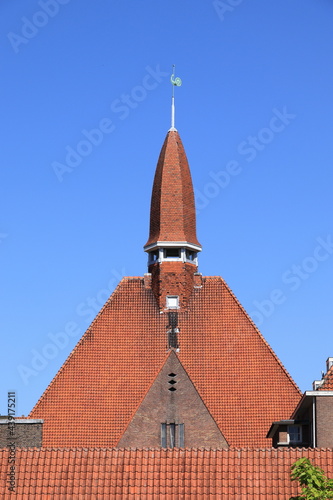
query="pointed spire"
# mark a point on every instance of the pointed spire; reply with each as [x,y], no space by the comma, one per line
[176,82]
[172,212]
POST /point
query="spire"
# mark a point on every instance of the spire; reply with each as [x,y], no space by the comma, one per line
[172,211]
[176,82]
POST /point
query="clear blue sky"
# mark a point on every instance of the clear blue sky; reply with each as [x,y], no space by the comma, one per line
[255,113]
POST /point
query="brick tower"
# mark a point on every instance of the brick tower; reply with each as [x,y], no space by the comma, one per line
[172,245]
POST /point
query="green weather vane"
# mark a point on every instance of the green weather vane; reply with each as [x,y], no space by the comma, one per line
[176,82]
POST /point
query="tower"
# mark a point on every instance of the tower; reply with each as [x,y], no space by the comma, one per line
[172,245]
[172,359]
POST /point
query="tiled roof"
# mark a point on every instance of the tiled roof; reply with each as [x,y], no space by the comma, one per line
[172,212]
[163,474]
[327,384]
[95,394]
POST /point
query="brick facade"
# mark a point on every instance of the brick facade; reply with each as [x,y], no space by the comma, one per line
[324,421]
[25,433]
[172,399]
[172,278]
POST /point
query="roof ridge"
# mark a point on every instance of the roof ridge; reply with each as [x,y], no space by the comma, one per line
[203,448]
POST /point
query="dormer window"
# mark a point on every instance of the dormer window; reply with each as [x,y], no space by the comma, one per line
[295,434]
[172,302]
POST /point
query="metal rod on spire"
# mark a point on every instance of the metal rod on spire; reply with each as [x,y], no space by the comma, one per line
[176,82]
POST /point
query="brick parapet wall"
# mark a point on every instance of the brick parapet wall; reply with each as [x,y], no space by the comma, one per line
[24,433]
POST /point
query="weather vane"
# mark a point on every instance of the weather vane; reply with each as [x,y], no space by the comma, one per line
[176,82]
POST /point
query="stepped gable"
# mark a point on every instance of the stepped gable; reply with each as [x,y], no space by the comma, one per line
[158,473]
[96,393]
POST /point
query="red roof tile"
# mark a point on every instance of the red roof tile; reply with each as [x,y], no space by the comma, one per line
[172,212]
[327,384]
[95,394]
[179,473]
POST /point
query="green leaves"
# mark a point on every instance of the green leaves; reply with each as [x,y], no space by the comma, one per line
[313,481]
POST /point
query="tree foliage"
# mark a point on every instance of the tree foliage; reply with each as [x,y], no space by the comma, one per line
[314,483]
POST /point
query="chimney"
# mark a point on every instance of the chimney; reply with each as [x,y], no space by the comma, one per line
[316,384]
[329,363]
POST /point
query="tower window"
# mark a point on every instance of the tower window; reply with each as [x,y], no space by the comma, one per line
[153,256]
[172,301]
[171,253]
[190,255]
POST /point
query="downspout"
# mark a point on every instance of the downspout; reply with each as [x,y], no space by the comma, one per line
[314,422]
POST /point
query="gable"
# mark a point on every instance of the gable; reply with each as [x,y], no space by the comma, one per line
[172,404]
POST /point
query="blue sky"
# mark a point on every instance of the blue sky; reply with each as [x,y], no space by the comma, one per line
[84,111]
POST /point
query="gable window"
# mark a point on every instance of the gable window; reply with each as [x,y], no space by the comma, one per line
[172,435]
[172,301]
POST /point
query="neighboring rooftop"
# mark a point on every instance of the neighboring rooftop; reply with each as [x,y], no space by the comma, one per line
[150,473]
[326,384]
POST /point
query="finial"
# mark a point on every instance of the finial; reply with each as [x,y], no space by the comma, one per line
[176,82]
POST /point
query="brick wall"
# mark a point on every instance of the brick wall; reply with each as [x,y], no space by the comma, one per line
[324,421]
[25,433]
[172,278]
[172,399]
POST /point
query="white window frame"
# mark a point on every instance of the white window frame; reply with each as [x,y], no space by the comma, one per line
[172,302]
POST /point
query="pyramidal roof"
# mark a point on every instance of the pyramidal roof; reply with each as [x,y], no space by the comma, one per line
[223,369]
[172,212]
